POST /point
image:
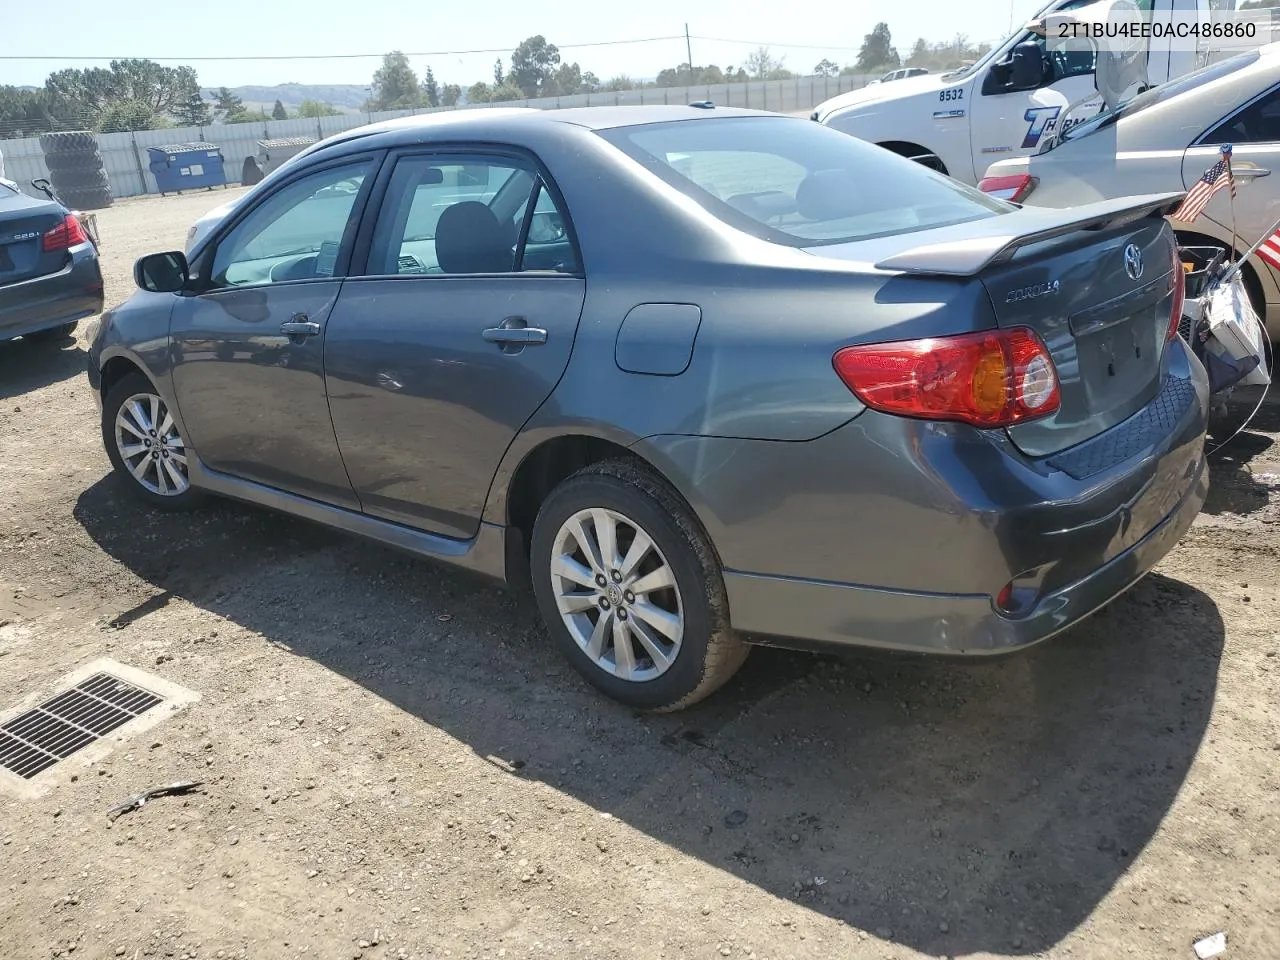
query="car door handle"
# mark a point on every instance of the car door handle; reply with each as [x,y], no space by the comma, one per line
[300,326]
[1251,173]
[515,332]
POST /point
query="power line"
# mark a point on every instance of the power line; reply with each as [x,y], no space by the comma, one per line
[342,56]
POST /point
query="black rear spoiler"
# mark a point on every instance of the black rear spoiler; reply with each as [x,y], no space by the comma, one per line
[993,242]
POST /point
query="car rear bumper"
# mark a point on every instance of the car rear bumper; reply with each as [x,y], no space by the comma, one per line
[73,293]
[898,533]
[817,613]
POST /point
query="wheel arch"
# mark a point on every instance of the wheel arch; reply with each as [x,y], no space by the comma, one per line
[915,151]
[529,475]
[116,369]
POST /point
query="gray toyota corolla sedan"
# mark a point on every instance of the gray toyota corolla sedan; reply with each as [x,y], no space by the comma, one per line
[701,377]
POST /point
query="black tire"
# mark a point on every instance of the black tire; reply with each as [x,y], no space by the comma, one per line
[59,163]
[69,141]
[709,652]
[81,180]
[91,199]
[60,332]
[125,388]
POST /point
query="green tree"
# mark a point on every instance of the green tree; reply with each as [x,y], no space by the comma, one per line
[125,115]
[498,75]
[877,51]
[314,108]
[450,94]
[479,92]
[193,111]
[504,92]
[533,64]
[395,85]
[227,102]
[430,89]
[278,112]
[247,116]
[825,68]
[762,65]
[920,54]
[590,83]
[26,112]
[619,83]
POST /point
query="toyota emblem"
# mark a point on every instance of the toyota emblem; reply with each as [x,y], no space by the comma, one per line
[1133,261]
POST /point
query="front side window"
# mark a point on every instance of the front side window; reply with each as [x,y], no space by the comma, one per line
[467,216]
[294,234]
[800,184]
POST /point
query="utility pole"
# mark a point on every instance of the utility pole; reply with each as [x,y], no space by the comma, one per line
[688,48]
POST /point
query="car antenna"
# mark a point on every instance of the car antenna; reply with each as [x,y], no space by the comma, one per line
[703,104]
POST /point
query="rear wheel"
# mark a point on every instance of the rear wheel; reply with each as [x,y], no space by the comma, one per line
[631,591]
[145,447]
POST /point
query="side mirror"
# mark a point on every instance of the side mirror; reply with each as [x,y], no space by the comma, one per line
[162,272]
[1027,66]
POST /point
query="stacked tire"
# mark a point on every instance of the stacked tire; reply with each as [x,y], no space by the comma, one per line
[76,169]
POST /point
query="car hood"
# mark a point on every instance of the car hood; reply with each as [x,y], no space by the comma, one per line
[875,93]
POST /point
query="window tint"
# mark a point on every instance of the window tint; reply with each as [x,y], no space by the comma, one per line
[1257,123]
[296,233]
[799,183]
[447,215]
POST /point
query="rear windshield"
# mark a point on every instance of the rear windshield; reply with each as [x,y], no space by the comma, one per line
[797,182]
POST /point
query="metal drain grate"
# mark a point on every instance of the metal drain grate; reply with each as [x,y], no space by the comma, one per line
[34,741]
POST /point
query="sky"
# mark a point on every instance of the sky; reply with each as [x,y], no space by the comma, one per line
[801,31]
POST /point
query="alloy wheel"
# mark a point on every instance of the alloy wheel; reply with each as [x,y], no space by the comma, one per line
[150,446]
[617,594]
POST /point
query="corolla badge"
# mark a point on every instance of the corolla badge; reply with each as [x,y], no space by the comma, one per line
[1033,291]
[1133,261]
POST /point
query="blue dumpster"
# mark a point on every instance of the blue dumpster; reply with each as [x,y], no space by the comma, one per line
[186,166]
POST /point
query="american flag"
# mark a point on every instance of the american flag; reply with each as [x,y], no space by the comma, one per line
[1214,179]
[1270,250]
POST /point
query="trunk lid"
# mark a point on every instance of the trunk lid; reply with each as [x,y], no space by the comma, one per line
[23,224]
[1063,274]
[1101,301]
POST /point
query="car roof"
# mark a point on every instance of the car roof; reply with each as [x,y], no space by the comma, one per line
[592,118]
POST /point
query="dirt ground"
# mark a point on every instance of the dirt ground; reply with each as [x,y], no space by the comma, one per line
[396,765]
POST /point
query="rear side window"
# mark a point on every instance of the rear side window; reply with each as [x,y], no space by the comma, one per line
[1257,123]
[799,183]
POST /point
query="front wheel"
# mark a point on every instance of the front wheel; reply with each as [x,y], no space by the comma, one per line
[145,446]
[631,591]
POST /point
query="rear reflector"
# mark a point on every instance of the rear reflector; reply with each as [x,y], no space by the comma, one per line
[65,235]
[994,378]
[1179,296]
[1012,188]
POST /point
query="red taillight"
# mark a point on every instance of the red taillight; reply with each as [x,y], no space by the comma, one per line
[990,379]
[65,235]
[1179,295]
[1012,188]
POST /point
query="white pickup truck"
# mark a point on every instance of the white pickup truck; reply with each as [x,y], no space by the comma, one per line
[1002,106]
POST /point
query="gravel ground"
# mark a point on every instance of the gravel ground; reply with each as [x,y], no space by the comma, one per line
[395,765]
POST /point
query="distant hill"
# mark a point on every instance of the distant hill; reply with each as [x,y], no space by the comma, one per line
[347,97]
